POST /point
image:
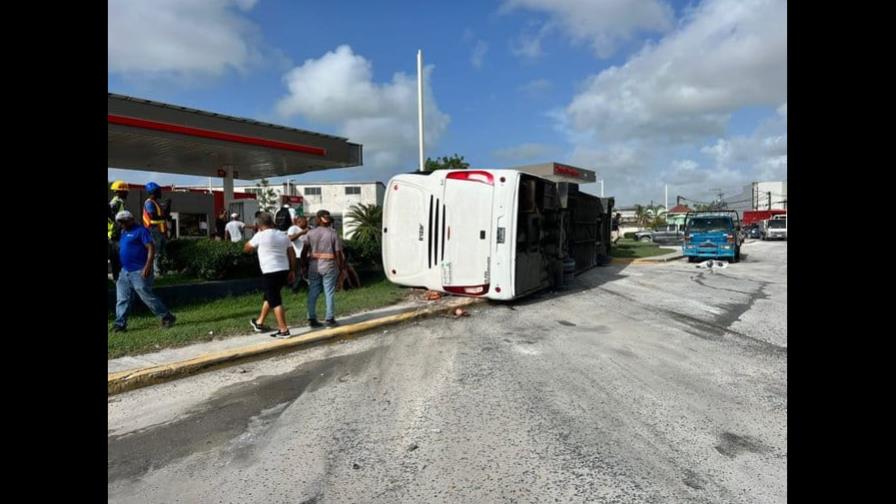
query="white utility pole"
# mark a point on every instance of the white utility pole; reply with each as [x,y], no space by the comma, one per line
[601,188]
[420,103]
[667,197]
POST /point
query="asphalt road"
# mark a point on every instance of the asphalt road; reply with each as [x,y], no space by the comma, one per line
[643,383]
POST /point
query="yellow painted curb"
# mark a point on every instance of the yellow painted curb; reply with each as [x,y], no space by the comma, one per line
[123,381]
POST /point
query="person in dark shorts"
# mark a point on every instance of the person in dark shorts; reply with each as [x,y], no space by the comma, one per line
[277,260]
[614,231]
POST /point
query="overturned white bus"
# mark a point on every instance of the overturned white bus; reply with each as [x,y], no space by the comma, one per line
[499,234]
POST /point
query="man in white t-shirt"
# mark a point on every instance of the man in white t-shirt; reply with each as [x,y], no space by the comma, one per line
[296,234]
[234,229]
[277,260]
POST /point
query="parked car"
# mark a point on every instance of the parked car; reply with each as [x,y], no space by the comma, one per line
[670,233]
[712,235]
[753,231]
[774,229]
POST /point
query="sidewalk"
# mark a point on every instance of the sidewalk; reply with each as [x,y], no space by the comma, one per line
[673,254]
[170,355]
[127,373]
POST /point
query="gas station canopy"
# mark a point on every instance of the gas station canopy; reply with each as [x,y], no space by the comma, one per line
[153,136]
[557,172]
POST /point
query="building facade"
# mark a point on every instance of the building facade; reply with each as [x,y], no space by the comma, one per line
[337,197]
[761,196]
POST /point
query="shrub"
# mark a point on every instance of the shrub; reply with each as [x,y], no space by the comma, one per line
[210,259]
[364,254]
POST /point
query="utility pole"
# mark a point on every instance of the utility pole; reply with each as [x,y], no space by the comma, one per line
[769,193]
[718,203]
[601,188]
[420,103]
[677,200]
[667,198]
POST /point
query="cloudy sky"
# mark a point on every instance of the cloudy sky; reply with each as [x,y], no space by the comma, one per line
[644,92]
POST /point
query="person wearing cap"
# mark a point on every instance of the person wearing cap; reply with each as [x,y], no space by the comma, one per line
[137,251]
[116,205]
[156,222]
[233,231]
[323,255]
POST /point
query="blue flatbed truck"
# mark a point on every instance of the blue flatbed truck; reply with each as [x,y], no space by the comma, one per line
[712,235]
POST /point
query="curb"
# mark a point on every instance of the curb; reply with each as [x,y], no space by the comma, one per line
[658,259]
[644,260]
[123,381]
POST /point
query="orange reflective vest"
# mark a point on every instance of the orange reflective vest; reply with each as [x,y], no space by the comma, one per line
[149,222]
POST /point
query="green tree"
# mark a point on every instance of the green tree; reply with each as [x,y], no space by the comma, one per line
[657,215]
[454,162]
[367,219]
[367,236]
[641,215]
[267,197]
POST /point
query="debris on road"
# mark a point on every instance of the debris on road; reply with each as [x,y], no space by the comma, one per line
[412,447]
[712,264]
[460,312]
[432,295]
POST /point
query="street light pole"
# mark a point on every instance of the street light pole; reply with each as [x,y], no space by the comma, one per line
[601,188]
[420,105]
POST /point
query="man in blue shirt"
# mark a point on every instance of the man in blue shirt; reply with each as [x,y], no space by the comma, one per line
[136,252]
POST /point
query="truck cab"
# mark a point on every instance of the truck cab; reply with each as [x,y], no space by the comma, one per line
[712,235]
[774,228]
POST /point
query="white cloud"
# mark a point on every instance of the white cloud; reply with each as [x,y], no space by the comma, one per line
[535,87]
[624,168]
[604,24]
[529,45]
[684,172]
[338,89]
[527,152]
[727,55]
[662,116]
[181,38]
[479,53]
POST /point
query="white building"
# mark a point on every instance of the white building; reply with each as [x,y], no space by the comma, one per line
[760,196]
[337,197]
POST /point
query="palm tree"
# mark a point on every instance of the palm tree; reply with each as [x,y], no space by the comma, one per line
[641,215]
[367,219]
[657,214]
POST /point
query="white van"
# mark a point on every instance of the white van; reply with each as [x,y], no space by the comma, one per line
[498,234]
[775,228]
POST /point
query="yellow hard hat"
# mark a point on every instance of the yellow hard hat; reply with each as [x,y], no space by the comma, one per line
[119,185]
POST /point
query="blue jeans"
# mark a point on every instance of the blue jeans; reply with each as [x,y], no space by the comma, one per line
[159,240]
[128,283]
[318,283]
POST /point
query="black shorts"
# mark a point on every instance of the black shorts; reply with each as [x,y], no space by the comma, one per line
[271,284]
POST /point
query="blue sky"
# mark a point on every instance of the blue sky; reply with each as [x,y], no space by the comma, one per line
[644,92]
